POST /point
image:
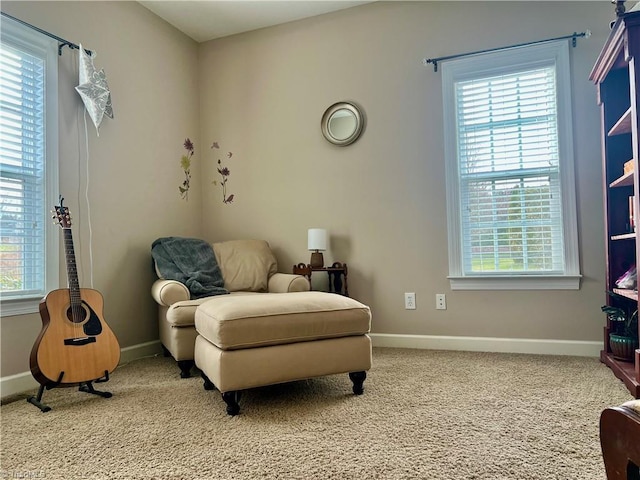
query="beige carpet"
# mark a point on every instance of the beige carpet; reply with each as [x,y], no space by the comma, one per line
[424,415]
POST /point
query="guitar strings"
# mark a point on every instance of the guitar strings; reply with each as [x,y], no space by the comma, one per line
[71,266]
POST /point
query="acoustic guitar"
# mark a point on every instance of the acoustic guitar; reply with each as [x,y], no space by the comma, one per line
[75,344]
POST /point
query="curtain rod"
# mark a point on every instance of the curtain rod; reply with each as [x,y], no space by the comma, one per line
[61,41]
[573,38]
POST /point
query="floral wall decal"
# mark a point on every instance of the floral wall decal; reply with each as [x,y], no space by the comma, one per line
[224,174]
[185,163]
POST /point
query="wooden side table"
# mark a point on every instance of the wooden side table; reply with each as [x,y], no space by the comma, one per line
[337,276]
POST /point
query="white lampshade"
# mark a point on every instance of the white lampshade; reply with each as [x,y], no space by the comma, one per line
[317,239]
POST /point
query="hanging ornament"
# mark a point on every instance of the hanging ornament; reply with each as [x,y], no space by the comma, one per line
[93,89]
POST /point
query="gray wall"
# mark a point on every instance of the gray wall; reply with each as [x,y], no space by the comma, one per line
[382,199]
[261,95]
[134,165]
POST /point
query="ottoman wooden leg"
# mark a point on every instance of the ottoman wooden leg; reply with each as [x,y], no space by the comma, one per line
[232,399]
[358,379]
[208,384]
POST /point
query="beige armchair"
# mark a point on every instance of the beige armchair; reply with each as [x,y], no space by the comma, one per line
[248,267]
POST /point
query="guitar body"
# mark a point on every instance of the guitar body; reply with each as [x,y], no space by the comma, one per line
[75,345]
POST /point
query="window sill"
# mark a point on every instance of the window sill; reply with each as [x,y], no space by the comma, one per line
[22,306]
[516,282]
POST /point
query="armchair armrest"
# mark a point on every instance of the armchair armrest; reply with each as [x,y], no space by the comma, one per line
[288,282]
[168,292]
[619,433]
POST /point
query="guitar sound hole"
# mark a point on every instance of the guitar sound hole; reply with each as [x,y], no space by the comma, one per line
[77,314]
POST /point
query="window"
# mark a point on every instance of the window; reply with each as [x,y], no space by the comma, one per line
[510,182]
[28,167]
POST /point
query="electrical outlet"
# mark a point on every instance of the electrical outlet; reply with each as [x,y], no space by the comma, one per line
[441,301]
[409,301]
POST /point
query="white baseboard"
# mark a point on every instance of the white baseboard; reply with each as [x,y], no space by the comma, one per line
[141,350]
[23,382]
[489,344]
[18,383]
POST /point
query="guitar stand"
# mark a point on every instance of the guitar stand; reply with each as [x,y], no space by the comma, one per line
[86,387]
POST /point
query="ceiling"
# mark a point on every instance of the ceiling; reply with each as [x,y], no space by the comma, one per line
[207,20]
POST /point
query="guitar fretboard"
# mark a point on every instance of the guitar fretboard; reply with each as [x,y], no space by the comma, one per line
[72,272]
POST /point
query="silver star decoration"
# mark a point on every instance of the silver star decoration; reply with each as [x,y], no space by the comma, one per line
[93,89]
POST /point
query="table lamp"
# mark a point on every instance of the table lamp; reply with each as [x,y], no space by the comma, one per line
[317,240]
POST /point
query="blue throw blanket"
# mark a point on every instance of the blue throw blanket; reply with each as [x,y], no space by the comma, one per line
[190,261]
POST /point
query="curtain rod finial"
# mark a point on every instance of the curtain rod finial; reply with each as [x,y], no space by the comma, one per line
[426,61]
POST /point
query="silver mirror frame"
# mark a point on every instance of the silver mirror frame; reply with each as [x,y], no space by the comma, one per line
[326,118]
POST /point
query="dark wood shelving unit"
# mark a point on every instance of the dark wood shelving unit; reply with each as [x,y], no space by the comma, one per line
[624,181]
[630,294]
[623,125]
[616,74]
[624,236]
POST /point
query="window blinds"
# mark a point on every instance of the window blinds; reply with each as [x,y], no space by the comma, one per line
[22,175]
[508,166]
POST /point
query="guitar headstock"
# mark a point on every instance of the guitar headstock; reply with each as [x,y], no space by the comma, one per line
[62,216]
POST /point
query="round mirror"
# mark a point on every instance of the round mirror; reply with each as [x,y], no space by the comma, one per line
[342,123]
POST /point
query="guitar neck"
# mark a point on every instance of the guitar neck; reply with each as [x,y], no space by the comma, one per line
[72,271]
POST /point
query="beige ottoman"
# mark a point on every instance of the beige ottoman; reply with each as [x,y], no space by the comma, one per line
[256,340]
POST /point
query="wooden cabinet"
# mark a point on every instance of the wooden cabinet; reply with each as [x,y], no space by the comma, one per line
[617,77]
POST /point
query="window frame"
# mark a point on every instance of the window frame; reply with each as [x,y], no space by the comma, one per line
[26,39]
[486,65]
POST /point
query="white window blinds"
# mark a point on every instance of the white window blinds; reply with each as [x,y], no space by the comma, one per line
[22,171]
[511,207]
[28,167]
[509,173]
